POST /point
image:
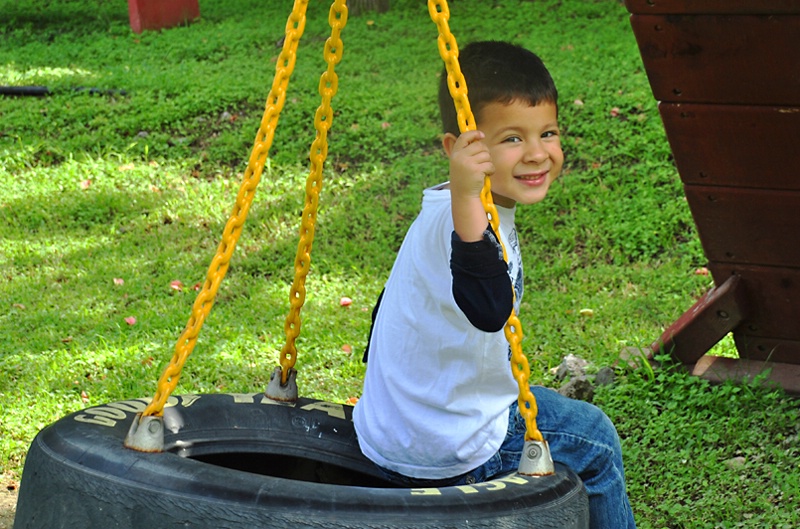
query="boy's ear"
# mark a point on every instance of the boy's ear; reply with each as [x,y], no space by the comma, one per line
[448,140]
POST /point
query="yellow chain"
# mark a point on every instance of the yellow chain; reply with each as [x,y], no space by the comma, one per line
[219,264]
[328,85]
[448,49]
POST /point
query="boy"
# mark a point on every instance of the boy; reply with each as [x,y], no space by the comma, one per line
[439,405]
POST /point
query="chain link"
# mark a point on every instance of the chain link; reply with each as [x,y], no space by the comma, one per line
[448,49]
[252,175]
[323,119]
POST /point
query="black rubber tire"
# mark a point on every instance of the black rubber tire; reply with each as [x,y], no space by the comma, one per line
[240,462]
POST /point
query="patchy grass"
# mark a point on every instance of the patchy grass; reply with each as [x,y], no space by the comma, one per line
[113,204]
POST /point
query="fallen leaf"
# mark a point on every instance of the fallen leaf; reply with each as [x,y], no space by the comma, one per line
[578,103]
[586,312]
[84,396]
[130,320]
[147,362]
[614,112]
[347,348]
[351,401]
[345,301]
[197,286]
[119,281]
[176,285]
[67,339]
[19,306]
[702,271]
[86,183]
[385,125]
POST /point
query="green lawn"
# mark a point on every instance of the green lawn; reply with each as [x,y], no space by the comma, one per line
[108,200]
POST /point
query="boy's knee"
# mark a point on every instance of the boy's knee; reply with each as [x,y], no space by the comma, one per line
[560,413]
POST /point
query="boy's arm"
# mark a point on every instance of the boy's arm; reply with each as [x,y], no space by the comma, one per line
[481,286]
[470,163]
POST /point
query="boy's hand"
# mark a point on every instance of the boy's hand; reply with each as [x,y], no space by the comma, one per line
[470,163]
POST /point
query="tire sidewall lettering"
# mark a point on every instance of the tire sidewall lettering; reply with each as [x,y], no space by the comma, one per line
[109,415]
[493,485]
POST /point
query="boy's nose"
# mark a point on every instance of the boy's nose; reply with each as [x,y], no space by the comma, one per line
[535,153]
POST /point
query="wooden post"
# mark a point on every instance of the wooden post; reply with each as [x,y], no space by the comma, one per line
[730,103]
[161,14]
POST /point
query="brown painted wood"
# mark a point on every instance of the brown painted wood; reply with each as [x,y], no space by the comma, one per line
[712,317]
[721,59]
[767,349]
[747,226]
[772,300]
[727,76]
[741,7]
[734,145]
[718,369]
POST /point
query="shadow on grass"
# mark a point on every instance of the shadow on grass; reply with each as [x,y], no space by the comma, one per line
[55,18]
[68,251]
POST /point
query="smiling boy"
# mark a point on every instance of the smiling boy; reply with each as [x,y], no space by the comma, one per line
[439,405]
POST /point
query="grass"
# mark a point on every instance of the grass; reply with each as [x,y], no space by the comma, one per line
[108,199]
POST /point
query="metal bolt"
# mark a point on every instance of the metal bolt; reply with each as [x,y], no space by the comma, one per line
[536,459]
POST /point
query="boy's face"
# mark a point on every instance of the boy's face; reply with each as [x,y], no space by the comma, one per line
[525,144]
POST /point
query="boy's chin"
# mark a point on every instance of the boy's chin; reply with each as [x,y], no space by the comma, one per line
[529,200]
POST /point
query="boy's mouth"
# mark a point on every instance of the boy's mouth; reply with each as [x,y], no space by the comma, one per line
[533,178]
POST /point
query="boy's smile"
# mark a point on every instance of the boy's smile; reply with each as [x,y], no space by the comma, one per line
[525,145]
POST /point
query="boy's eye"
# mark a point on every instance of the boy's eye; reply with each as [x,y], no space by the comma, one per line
[513,139]
[550,134]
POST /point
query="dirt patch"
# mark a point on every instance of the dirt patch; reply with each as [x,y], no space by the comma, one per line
[8,502]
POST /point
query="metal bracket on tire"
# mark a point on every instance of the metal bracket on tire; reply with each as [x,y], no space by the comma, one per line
[282,392]
[536,459]
[146,434]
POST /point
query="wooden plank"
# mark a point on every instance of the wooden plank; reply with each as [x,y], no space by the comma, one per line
[772,299]
[767,349]
[747,226]
[715,144]
[712,317]
[718,369]
[721,59]
[704,7]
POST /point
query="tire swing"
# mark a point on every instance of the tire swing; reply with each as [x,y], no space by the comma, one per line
[272,459]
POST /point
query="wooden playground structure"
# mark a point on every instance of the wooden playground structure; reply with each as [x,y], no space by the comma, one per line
[726,74]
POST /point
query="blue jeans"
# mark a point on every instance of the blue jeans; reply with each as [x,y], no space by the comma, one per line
[580,436]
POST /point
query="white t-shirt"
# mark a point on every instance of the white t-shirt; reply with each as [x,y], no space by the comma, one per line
[437,389]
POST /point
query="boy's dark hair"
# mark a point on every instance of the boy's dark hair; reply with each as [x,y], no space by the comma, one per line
[497,72]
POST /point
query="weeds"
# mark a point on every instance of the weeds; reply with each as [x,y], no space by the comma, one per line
[113,203]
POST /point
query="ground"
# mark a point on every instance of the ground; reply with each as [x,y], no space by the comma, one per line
[8,502]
